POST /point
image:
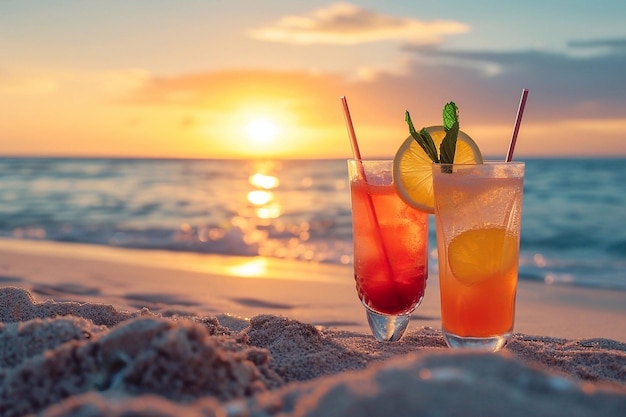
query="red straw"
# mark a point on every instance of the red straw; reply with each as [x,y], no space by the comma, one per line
[518,121]
[350,126]
[357,156]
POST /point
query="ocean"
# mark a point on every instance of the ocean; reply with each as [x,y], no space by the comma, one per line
[573,222]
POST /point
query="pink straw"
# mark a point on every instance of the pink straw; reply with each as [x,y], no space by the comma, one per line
[350,126]
[518,121]
[357,156]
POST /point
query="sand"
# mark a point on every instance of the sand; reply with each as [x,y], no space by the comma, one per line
[91,331]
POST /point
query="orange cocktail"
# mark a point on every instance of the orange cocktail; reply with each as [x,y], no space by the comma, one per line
[390,245]
[478,215]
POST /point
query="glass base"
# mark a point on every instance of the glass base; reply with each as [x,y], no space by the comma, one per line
[385,327]
[488,344]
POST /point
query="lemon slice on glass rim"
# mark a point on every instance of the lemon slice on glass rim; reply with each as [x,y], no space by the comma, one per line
[412,167]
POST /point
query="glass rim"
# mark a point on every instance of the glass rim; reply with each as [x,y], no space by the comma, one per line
[487,162]
[369,160]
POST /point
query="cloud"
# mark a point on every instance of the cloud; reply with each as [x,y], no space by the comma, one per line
[579,86]
[347,24]
[599,43]
[100,84]
[118,82]
[26,83]
[562,87]
[227,91]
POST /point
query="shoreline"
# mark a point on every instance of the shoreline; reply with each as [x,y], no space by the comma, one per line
[320,294]
[162,257]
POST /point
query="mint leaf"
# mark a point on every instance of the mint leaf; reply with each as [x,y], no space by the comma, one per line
[451,126]
[423,139]
[407,118]
[431,144]
[448,145]
[450,115]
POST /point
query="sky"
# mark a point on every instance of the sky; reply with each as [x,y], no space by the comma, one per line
[239,79]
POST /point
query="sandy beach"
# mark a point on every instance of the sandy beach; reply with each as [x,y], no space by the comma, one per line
[91,330]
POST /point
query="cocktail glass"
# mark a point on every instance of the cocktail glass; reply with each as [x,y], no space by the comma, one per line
[390,249]
[478,211]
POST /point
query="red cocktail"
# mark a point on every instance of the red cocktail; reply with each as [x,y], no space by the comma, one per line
[390,246]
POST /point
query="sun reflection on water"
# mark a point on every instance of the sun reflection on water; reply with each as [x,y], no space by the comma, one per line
[263,201]
[270,212]
[269,217]
[263,181]
[260,197]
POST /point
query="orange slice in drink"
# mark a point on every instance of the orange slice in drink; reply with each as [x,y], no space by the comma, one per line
[478,255]
[412,168]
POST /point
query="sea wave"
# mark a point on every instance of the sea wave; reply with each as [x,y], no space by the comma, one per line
[572,228]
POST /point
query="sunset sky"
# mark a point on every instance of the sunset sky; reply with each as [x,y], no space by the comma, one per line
[230,79]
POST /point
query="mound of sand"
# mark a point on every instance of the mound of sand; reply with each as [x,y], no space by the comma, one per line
[85,359]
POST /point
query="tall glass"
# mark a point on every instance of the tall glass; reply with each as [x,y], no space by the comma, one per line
[478,211]
[390,249]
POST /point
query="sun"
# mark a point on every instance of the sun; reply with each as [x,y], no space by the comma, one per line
[262,130]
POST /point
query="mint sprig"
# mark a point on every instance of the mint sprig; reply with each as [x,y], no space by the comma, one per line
[423,139]
[448,145]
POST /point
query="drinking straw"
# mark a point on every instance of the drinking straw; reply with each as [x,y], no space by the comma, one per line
[350,126]
[518,121]
[370,203]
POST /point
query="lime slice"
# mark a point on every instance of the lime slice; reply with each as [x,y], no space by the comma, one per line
[478,255]
[412,168]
